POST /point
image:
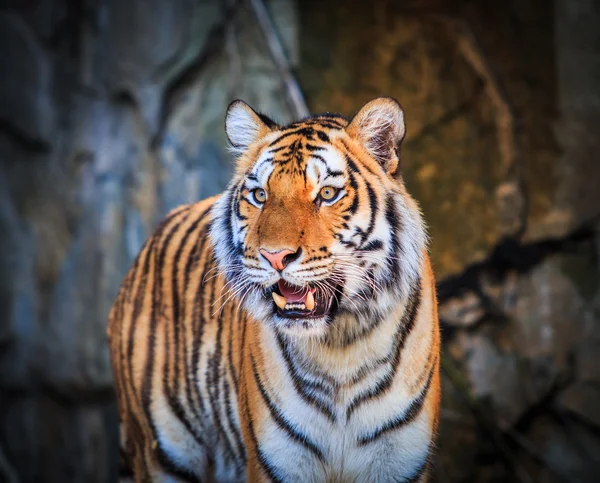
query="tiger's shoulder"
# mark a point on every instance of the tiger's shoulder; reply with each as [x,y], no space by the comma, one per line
[178,224]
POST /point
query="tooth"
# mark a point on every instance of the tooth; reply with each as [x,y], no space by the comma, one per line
[279,300]
[310,301]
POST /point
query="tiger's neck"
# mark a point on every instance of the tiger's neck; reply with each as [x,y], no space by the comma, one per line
[330,373]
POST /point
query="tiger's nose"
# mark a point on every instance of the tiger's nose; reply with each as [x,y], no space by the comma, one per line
[280,259]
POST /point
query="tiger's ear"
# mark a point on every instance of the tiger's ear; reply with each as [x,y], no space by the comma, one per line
[379,127]
[244,126]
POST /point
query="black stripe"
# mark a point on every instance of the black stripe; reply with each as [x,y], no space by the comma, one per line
[302,131]
[189,368]
[393,219]
[373,207]
[173,396]
[237,196]
[238,213]
[348,339]
[124,296]
[264,462]
[333,117]
[404,329]
[334,174]
[320,158]
[198,332]
[314,385]
[276,150]
[259,165]
[137,307]
[175,271]
[348,158]
[354,206]
[370,367]
[212,383]
[325,383]
[270,123]
[147,383]
[237,437]
[331,125]
[288,427]
[312,147]
[234,429]
[172,468]
[353,168]
[373,245]
[172,393]
[223,219]
[312,269]
[301,384]
[231,365]
[352,165]
[322,136]
[141,291]
[409,415]
[321,119]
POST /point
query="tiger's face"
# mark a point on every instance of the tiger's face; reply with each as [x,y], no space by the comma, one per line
[316,222]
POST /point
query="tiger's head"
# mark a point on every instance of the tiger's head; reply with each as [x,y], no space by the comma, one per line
[316,223]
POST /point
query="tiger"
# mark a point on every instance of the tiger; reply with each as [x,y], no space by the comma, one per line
[285,330]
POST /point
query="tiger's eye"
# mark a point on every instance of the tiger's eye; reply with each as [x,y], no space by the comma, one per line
[328,193]
[260,195]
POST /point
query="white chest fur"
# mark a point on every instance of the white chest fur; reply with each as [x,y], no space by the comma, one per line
[349,413]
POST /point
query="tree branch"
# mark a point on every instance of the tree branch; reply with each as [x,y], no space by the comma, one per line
[506,120]
[294,94]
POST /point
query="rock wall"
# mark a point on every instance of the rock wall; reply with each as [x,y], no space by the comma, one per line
[111,114]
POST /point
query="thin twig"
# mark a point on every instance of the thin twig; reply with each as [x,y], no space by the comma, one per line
[470,49]
[295,97]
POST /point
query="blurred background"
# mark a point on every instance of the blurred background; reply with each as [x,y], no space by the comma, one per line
[111,114]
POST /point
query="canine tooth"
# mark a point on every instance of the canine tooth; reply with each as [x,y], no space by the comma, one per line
[279,300]
[310,301]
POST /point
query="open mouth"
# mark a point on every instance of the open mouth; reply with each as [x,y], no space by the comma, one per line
[294,302]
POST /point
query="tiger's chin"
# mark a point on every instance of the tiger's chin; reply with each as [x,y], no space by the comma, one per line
[314,328]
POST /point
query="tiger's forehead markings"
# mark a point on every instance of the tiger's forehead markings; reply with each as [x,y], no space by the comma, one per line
[294,159]
[296,145]
[311,127]
[305,136]
[327,120]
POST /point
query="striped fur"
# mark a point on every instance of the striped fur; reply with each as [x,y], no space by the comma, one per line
[214,384]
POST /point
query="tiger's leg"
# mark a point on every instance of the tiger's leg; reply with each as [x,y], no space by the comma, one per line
[140,460]
[149,470]
[254,473]
[152,462]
